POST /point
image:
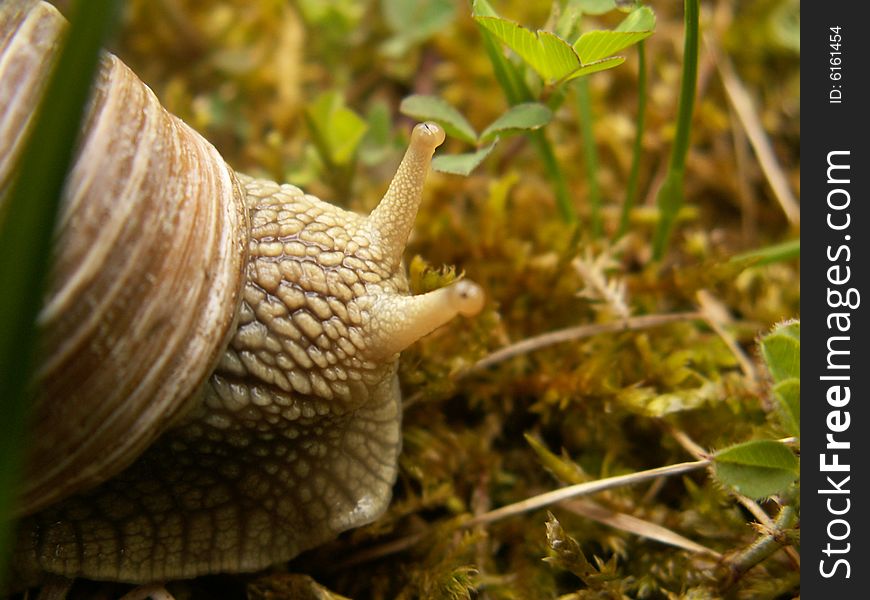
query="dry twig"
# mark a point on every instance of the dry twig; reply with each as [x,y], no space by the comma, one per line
[635,525]
[749,504]
[581,331]
[582,489]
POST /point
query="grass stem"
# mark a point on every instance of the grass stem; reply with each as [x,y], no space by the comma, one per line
[590,153]
[634,174]
[516,91]
[670,196]
[26,227]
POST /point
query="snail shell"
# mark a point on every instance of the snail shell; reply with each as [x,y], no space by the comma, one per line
[217,388]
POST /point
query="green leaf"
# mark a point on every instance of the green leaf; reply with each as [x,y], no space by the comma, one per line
[646,401]
[433,108]
[337,130]
[461,164]
[527,116]
[758,468]
[781,349]
[553,58]
[562,467]
[788,399]
[507,73]
[785,24]
[768,454]
[601,65]
[593,46]
[377,142]
[482,8]
[340,16]
[549,55]
[567,22]
[592,7]
[413,21]
[640,19]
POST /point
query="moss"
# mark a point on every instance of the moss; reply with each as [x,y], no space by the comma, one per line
[607,404]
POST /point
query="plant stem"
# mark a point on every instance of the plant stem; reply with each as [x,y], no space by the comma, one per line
[554,172]
[582,489]
[631,191]
[590,153]
[670,196]
[771,254]
[506,74]
[516,91]
[580,332]
[687,87]
[768,544]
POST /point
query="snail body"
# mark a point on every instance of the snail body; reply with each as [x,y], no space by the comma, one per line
[217,385]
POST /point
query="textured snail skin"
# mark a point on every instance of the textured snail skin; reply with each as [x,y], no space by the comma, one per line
[298,431]
[294,436]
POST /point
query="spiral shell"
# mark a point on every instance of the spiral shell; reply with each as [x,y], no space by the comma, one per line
[149,257]
[218,383]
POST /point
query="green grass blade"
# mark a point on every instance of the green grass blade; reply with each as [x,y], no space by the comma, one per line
[590,154]
[637,149]
[337,129]
[670,197]
[554,172]
[506,74]
[771,254]
[26,228]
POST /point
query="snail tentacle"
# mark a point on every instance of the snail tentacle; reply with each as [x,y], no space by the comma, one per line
[399,321]
[393,218]
[220,393]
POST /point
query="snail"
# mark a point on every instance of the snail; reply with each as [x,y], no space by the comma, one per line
[217,388]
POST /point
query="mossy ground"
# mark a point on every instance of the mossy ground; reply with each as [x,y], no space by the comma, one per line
[242,73]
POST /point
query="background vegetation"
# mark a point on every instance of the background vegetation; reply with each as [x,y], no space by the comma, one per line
[653,358]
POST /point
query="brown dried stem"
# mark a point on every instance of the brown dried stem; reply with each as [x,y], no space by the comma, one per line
[740,99]
[581,331]
[582,489]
